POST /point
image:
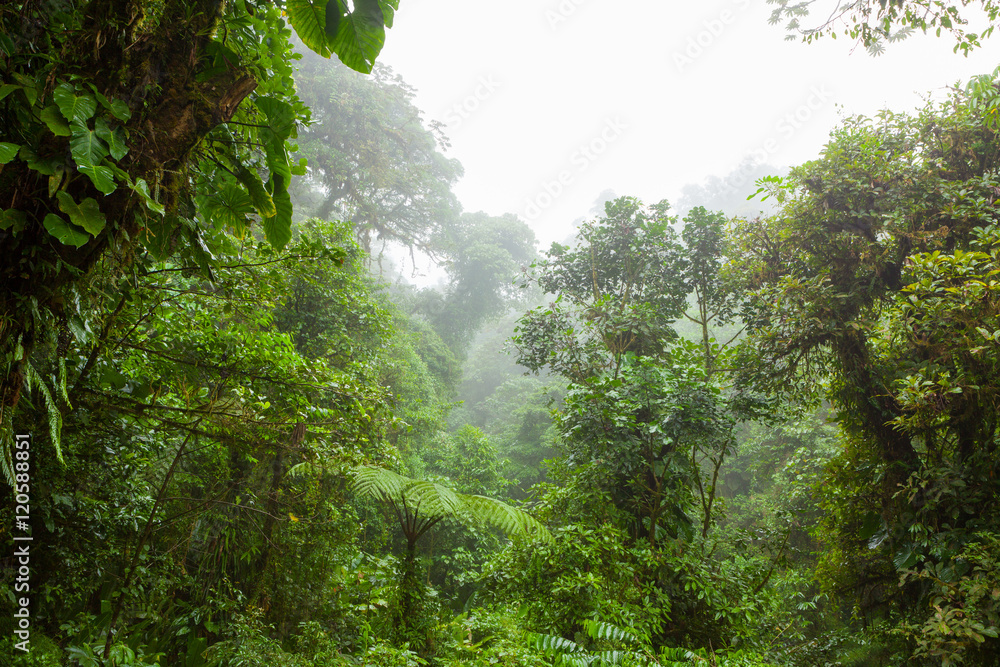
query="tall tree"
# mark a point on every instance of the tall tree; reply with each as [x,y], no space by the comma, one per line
[371,158]
[879,274]
[125,132]
[484,257]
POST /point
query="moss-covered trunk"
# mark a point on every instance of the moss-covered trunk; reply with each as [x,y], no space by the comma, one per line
[149,62]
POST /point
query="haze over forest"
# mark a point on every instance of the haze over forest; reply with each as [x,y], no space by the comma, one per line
[572,334]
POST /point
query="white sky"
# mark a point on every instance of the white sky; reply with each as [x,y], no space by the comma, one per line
[664,93]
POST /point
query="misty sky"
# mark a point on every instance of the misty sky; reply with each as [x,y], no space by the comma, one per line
[547,103]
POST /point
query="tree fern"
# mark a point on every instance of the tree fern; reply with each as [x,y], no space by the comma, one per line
[419,504]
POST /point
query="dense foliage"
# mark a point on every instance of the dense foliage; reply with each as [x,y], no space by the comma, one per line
[670,440]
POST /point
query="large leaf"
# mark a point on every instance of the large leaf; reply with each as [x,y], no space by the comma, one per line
[115,139]
[309,20]
[158,235]
[8,151]
[142,189]
[333,14]
[102,177]
[378,482]
[434,500]
[13,219]
[86,214]
[75,108]
[118,108]
[389,8]
[279,124]
[86,146]
[52,117]
[278,228]
[46,165]
[229,207]
[64,231]
[279,120]
[262,201]
[8,88]
[360,36]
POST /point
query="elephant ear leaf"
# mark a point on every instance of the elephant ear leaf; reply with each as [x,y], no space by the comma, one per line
[64,231]
[332,18]
[356,38]
[309,21]
[360,36]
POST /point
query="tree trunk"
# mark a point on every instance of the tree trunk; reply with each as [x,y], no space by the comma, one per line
[152,70]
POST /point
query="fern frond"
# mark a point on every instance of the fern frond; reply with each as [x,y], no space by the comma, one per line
[33,381]
[432,499]
[507,518]
[7,443]
[378,482]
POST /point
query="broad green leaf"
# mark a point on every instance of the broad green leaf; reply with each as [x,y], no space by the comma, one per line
[75,108]
[872,522]
[113,138]
[229,207]
[86,214]
[276,158]
[278,228]
[360,36]
[389,8]
[87,148]
[43,165]
[29,86]
[309,21]
[8,151]
[101,177]
[111,377]
[13,219]
[280,119]
[218,57]
[55,181]
[332,14]
[53,119]
[142,189]
[118,108]
[64,231]
[262,201]
[7,88]
[905,558]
